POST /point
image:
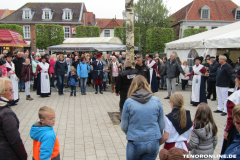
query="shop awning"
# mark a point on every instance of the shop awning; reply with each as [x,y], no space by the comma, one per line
[9,38]
[89,48]
[90,44]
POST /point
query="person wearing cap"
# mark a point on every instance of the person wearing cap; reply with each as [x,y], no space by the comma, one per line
[223,80]
[3,68]
[114,70]
[198,86]
[171,70]
[18,62]
[97,73]
[213,67]
[43,81]
[47,57]
[230,130]
[12,75]
[152,65]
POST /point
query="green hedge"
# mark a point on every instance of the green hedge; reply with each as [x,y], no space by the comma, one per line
[87,31]
[157,37]
[48,35]
[192,31]
[13,27]
[120,32]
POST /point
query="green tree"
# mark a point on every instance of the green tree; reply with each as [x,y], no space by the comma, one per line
[87,31]
[157,37]
[48,35]
[120,32]
[192,31]
[12,27]
[149,14]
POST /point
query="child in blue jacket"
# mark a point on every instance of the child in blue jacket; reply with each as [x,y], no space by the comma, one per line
[73,79]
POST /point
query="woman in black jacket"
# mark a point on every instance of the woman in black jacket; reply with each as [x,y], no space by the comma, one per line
[11,145]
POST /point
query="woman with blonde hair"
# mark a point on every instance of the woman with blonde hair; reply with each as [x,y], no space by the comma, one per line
[184,79]
[142,121]
[178,124]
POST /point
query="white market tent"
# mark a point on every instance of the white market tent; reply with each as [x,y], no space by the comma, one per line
[227,36]
[90,44]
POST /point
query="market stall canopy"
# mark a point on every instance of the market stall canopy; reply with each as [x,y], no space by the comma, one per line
[9,38]
[228,40]
[90,44]
[201,40]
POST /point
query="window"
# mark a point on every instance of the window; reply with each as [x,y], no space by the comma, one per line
[40,50]
[202,27]
[27,14]
[67,14]
[26,32]
[47,15]
[205,12]
[237,14]
[189,27]
[66,31]
[107,33]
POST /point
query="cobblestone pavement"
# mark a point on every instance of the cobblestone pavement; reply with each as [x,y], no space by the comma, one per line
[83,127]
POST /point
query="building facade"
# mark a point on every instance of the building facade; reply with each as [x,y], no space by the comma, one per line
[69,15]
[209,14]
[107,26]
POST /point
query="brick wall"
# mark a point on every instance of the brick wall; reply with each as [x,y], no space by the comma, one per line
[176,30]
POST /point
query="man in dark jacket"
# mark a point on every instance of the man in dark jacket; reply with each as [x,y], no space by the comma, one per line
[142,69]
[18,62]
[123,59]
[213,67]
[223,78]
[124,81]
[172,69]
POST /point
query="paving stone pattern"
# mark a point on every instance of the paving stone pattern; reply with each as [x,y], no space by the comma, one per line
[83,126]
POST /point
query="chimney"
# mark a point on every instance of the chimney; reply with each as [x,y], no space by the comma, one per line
[115,16]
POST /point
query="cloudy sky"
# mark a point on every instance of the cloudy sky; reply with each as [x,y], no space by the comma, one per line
[101,8]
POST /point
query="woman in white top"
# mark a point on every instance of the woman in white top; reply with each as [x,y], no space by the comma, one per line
[11,73]
[113,68]
[184,79]
[43,82]
[178,124]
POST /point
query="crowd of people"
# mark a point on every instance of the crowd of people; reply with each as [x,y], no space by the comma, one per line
[142,114]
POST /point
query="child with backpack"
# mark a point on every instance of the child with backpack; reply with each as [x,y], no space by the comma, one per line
[73,79]
[203,138]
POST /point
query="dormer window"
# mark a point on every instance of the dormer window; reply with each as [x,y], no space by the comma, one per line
[237,16]
[67,14]
[27,13]
[47,14]
[205,12]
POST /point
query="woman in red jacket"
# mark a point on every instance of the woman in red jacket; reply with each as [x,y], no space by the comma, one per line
[52,61]
[230,130]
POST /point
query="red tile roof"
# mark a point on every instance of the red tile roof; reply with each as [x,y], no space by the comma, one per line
[220,10]
[109,23]
[2,11]
[11,11]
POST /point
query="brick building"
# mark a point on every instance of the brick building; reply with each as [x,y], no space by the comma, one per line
[107,26]
[69,15]
[208,14]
